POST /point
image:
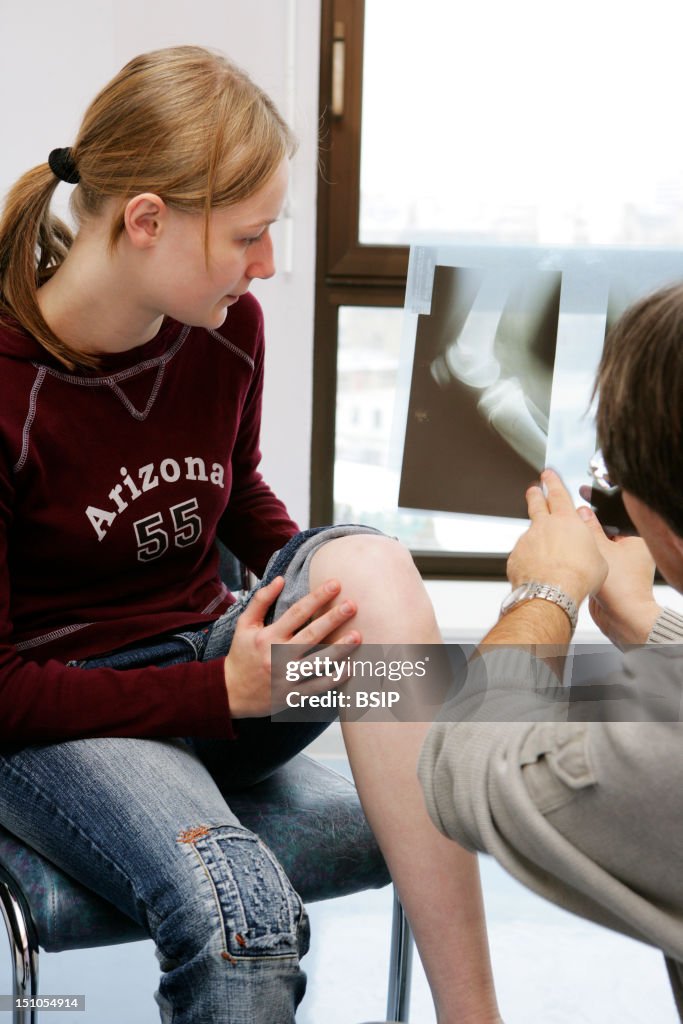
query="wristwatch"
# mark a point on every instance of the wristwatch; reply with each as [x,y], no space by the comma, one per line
[546,591]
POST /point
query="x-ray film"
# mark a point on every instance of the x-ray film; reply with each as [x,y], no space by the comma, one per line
[506,347]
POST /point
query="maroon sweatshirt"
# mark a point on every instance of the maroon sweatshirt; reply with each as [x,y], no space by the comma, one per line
[113,488]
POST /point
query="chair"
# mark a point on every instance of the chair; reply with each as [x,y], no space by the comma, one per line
[309,815]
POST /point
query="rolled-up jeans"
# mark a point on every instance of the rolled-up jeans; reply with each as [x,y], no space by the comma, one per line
[147,824]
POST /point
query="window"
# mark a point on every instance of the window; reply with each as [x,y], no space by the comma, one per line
[556,129]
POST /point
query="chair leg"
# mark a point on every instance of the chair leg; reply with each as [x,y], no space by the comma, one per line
[23,948]
[400,964]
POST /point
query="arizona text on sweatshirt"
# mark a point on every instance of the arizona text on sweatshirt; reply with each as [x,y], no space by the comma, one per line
[113,488]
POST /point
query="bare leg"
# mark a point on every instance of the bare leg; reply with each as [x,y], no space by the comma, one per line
[437,880]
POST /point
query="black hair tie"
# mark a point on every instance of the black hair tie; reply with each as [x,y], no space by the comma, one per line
[63,166]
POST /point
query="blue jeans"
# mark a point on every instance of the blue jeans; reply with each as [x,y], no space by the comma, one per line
[148,825]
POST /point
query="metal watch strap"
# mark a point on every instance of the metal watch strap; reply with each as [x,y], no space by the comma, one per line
[557,596]
[547,592]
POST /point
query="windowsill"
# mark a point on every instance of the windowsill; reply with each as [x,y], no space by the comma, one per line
[466,610]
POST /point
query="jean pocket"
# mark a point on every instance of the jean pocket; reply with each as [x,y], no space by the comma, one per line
[161,652]
[555,764]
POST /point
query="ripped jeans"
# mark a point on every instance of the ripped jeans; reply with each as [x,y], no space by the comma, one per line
[148,825]
[143,823]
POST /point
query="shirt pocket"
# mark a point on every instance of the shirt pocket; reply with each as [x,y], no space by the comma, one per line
[555,763]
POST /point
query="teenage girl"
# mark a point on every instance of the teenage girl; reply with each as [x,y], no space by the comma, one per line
[131,367]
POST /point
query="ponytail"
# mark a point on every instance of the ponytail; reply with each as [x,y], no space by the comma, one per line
[33,243]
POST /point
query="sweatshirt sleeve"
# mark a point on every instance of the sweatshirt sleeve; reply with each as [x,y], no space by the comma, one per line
[51,702]
[255,522]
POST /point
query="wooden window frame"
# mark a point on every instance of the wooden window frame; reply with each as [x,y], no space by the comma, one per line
[349,273]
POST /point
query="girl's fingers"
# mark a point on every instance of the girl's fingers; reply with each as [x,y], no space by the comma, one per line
[255,612]
[320,629]
[305,608]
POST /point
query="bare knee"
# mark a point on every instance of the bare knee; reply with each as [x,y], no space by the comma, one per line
[366,556]
[378,574]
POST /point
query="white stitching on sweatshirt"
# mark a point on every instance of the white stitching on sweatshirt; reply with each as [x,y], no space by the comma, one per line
[47,638]
[232,347]
[216,601]
[26,432]
[139,414]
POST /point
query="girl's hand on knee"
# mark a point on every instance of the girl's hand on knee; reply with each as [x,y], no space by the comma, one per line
[252,692]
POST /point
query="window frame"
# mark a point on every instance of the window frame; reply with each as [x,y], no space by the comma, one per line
[349,273]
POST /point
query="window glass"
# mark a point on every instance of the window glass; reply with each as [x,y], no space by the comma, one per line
[370,431]
[526,122]
[497,126]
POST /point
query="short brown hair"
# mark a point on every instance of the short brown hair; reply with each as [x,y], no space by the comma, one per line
[640,403]
[183,122]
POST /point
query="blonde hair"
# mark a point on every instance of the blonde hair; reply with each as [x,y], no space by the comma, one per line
[184,123]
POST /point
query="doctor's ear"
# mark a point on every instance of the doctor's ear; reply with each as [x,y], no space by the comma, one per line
[144,219]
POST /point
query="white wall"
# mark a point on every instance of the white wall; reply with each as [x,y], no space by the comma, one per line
[55,56]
